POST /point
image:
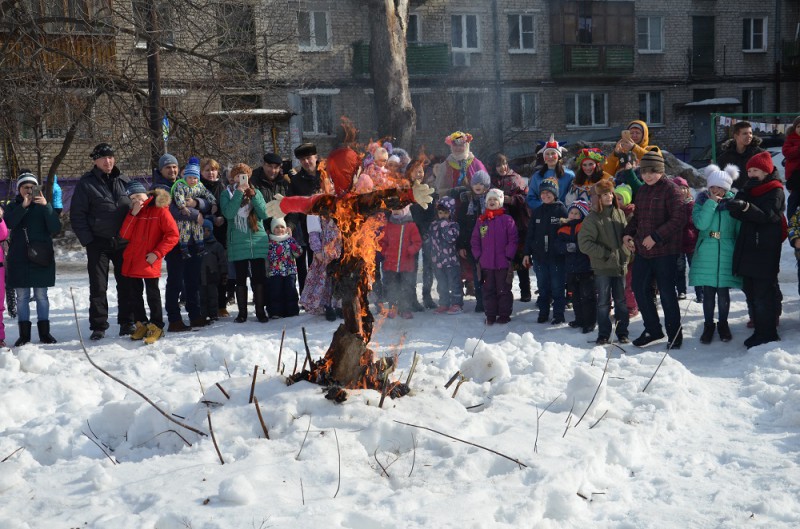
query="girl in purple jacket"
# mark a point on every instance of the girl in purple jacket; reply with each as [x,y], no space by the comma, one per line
[494,244]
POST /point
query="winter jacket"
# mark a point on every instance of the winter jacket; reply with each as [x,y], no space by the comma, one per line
[612,162]
[729,155]
[99,205]
[660,214]
[41,223]
[791,157]
[534,199]
[601,239]
[281,256]
[758,247]
[494,240]
[443,235]
[243,242]
[467,217]
[270,188]
[58,194]
[712,264]
[400,244]
[203,205]
[3,238]
[575,261]
[304,185]
[689,239]
[540,242]
[215,263]
[515,189]
[152,230]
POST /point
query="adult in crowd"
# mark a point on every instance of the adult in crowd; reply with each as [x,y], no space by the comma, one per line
[211,178]
[305,182]
[98,208]
[32,221]
[738,150]
[459,166]
[552,155]
[633,143]
[270,181]
[791,156]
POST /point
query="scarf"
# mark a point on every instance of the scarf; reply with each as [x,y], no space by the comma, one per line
[478,201]
[240,220]
[461,166]
[279,238]
[491,213]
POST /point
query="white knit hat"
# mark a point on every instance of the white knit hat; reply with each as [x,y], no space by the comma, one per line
[276,221]
[26,178]
[719,178]
[496,193]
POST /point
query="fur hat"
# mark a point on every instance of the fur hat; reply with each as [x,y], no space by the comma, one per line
[554,145]
[458,138]
[594,155]
[763,161]
[624,193]
[549,184]
[133,187]
[481,177]
[192,168]
[272,158]
[305,149]
[719,178]
[165,160]
[652,161]
[496,193]
[603,186]
[101,150]
[276,221]
[582,206]
[26,177]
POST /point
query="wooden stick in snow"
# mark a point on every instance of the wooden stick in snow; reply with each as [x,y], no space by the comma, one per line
[253,385]
[413,367]
[280,350]
[11,454]
[260,417]
[223,391]
[452,379]
[214,438]
[595,394]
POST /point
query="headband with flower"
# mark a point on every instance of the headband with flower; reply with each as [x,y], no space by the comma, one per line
[458,138]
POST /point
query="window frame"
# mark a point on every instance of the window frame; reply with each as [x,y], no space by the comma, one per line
[764,34]
[521,49]
[314,98]
[417,23]
[523,95]
[313,46]
[575,109]
[467,103]
[747,99]
[659,121]
[464,36]
[650,49]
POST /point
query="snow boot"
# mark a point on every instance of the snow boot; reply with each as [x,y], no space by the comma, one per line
[708,333]
[154,332]
[44,332]
[241,303]
[24,333]
[724,331]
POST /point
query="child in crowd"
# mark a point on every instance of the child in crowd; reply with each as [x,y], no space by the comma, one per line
[213,274]
[190,187]
[601,239]
[712,266]
[472,205]
[689,241]
[757,254]
[580,278]
[282,301]
[541,253]
[552,155]
[447,269]
[399,246]
[423,217]
[624,194]
[325,240]
[376,174]
[494,245]
[152,233]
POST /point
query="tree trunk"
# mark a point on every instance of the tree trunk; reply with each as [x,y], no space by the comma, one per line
[154,82]
[389,71]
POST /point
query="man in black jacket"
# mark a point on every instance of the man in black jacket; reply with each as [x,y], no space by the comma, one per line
[738,150]
[98,208]
[305,183]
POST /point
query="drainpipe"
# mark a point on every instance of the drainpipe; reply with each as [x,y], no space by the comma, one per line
[498,93]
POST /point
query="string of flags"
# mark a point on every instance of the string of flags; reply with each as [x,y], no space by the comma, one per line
[774,128]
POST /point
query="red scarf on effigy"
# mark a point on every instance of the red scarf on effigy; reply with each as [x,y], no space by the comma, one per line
[491,213]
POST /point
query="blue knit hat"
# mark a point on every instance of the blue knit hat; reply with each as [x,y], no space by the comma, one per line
[192,168]
[166,159]
[582,206]
[133,187]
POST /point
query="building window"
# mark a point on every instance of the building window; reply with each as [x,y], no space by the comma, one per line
[240,101]
[467,110]
[317,114]
[54,124]
[754,34]
[521,35]
[584,29]
[651,107]
[73,16]
[650,34]
[313,30]
[753,100]
[586,109]
[524,110]
[465,33]
[413,33]
[164,16]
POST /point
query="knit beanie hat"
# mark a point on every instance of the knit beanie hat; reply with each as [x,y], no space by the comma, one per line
[549,184]
[763,161]
[165,160]
[582,206]
[26,177]
[624,193]
[481,177]
[594,155]
[496,193]
[133,187]
[652,161]
[719,178]
[101,150]
[276,221]
[192,168]
[680,181]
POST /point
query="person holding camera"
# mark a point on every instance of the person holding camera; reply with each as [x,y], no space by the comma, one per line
[31,264]
[633,142]
[99,206]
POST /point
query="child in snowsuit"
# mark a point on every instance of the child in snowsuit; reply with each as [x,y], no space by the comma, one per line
[494,245]
[213,274]
[190,187]
[399,246]
[580,278]
[540,251]
[447,268]
[152,233]
[282,271]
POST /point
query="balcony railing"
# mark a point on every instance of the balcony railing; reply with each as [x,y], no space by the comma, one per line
[567,60]
[791,55]
[59,53]
[422,59]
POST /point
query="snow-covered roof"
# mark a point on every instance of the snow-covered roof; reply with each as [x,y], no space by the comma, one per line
[268,112]
[715,101]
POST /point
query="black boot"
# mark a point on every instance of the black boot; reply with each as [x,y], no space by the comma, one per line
[708,333]
[259,302]
[44,332]
[427,301]
[24,333]
[724,331]
[241,303]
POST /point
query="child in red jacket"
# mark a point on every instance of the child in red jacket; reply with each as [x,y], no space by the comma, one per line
[152,233]
[399,246]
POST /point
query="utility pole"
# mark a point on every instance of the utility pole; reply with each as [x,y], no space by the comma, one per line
[153,36]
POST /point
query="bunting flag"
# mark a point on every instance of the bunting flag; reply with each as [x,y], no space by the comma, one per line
[165,128]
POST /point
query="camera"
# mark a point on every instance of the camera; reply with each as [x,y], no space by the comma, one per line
[36,191]
[624,158]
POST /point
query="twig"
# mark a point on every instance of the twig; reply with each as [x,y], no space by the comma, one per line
[548,406]
[294,370]
[302,492]
[448,345]
[413,367]
[280,349]
[569,421]
[518,462]
[308,351]
[225,361]
[598,420]
[297,457]
[479,341]
[596,391]
[571,410]
[166,431]
[202,389]
[339,454]
[260,417]
[413,455]
[384,388]
[253,385]
[11,454]
[656,371]
[669,348]
[115,379]
[214,438]
[455,392]
[100,447]
[475,406]
[223,391]
[536,439]
[452,379]
[383,469]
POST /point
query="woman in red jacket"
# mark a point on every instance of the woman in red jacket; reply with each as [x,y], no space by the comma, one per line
[152,233]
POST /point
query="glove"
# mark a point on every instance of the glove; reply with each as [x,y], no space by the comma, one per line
[736,204]
[274,207]
[422,194]
[572,247]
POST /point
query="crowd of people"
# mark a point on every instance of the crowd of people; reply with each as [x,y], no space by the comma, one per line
[613,232]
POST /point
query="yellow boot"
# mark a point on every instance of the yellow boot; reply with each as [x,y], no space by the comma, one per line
[139,332]
[153,334]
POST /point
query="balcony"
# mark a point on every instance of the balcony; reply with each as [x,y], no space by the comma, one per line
[63,54]
[573,60]
[791,56]
[421,59]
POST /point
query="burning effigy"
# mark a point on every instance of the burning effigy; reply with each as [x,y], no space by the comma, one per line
[349,363]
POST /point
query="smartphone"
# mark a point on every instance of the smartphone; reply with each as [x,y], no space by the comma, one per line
[242,178]
[36,191]
[626,135]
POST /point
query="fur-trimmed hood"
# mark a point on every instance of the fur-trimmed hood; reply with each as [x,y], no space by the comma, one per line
[161,198]
[731,143]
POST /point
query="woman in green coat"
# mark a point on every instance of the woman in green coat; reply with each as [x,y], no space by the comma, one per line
[244,208]
[712,264]
[30,218]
